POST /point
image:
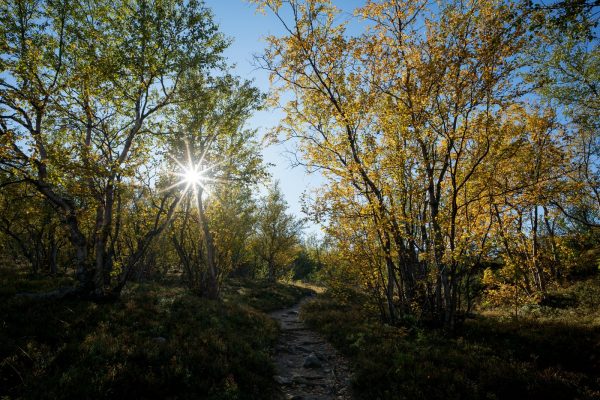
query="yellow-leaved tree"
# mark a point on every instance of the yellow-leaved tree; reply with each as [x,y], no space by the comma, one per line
[418,124]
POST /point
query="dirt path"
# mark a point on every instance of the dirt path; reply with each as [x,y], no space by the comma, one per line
[308,368]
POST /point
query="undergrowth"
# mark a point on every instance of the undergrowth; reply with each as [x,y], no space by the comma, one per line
[156,342]
[488,358]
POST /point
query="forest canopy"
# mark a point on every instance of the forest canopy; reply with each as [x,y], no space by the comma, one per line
[459,141]
[104,107]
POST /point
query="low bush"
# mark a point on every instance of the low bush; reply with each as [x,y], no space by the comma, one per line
[489,358]
[156,342]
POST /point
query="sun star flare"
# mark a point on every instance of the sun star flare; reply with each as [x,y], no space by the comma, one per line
[192,175]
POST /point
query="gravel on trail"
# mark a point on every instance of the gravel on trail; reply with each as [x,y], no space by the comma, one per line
[307,366]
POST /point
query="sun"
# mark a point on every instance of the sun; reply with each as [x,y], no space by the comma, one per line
[192,176]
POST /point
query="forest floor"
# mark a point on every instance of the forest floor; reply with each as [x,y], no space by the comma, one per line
[158,341]
[307,366]
[548,352]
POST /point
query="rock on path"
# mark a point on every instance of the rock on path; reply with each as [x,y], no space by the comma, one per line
[307,367]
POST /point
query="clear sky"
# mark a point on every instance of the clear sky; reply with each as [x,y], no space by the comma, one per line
[239,20]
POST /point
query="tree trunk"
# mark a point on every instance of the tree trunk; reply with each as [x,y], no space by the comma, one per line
[212,285]
[537,267]
[52,262]
[271,267]
[555,265]
[390,289]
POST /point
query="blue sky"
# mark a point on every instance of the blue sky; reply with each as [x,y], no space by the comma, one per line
[239,20]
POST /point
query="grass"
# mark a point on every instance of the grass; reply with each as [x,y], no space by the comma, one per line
[156,342]
[263,295]
[490,358]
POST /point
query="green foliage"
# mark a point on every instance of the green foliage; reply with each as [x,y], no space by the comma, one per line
[490,358]
[212,139]
[304,265]
[156,342]
[277,234]
[311,258]
[84,92]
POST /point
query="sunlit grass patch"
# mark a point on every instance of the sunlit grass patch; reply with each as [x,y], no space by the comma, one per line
[263,295]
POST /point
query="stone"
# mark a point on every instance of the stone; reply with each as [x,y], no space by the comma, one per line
[283,349]
[303,359]
[312,342]
[312,361]
[282,380]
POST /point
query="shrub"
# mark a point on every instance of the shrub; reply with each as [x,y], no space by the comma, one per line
[156,342]
[491,358]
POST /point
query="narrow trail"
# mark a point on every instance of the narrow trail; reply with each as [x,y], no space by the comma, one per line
[307,366]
